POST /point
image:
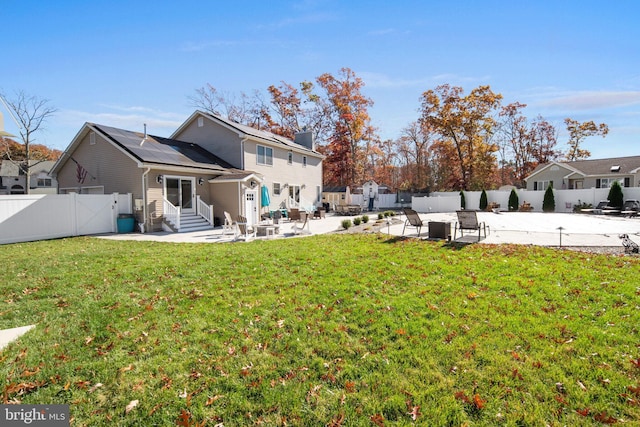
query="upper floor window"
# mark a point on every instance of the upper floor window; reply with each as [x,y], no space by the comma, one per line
[44,182]
[265,155]
[289,157]
[304,161]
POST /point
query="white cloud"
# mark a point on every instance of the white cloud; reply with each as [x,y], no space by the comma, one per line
[591,100]
[159,123]
[379,80]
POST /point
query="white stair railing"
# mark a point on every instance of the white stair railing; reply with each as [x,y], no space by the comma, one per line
[204,210]
[171,213]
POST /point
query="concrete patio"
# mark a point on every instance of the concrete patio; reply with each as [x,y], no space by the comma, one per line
[528,228]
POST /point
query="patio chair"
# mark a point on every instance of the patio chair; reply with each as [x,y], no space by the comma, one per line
[228,227]
[294,214]
[305,227]
[598,209]
[244,229]
[631,208]
[413,220]
[277,216]
[468,220]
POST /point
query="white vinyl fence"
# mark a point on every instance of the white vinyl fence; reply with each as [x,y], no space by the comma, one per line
[450,201]
[564,199]
[25,218]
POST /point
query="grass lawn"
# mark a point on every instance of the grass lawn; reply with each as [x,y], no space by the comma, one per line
[338,330]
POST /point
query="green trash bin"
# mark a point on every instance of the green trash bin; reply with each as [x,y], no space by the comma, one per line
[126,223]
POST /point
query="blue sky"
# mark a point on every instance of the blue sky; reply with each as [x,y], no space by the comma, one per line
[126,63]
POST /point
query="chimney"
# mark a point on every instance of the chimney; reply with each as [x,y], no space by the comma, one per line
[305,138]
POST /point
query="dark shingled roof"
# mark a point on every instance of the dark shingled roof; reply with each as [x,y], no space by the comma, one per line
[163,151]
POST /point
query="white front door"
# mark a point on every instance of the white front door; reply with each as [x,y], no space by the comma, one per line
[180,191]
[251,206]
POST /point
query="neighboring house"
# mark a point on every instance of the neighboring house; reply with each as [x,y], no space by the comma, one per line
[198,170]
[14,181]
[596,173]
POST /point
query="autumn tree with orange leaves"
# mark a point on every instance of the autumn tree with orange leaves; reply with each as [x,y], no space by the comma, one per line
[466,124]
[352,133]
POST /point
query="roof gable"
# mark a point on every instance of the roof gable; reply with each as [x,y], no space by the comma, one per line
[151,149]
[247,131]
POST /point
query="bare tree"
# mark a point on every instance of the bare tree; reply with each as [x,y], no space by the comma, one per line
[31,113]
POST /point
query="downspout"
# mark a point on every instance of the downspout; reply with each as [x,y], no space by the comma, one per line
[242,141]
[144,200]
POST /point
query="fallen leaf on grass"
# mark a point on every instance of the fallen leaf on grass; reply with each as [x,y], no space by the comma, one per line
[131,405]
[584,412]
[95,387]
[184,419]
[212,399]
[378,420]
[337,421]
[604,418]
[478,402]
[415,413]
[127,368]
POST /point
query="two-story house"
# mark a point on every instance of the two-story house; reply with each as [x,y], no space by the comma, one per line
[208,166]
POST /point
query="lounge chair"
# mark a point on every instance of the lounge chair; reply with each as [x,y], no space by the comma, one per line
[228,227]
[244,229]
[468,220]
[413,220]
[598,209]
[305,227]
[630,208]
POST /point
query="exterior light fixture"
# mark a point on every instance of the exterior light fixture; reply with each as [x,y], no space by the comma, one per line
[200,181]
[159,179]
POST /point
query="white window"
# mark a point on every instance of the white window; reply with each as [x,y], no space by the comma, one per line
[289,157]
[541,185]
[276,188]
[200,122]
[304,161]
[608,182]
[265,155]
[44,182]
